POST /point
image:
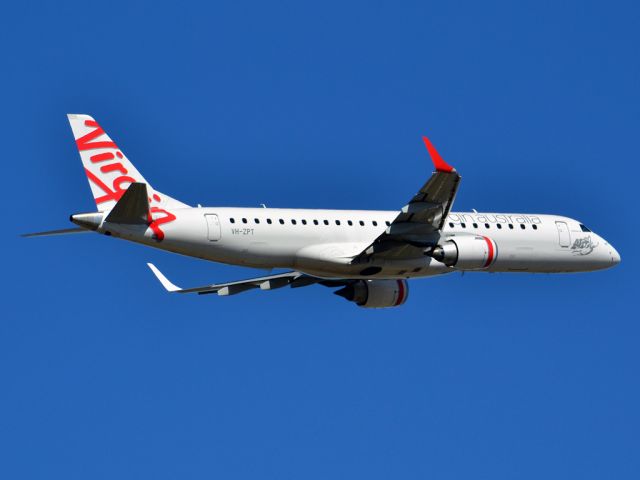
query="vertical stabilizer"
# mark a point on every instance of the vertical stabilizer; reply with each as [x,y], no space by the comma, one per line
[108,169]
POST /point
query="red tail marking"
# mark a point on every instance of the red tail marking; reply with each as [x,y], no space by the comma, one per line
[110,194]
[438,162]
[84,142]
[112,167]
[101,157]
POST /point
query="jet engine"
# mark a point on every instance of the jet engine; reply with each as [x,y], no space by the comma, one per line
[467,252]
[376,293]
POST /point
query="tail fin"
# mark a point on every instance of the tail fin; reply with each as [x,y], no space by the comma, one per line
[109,171]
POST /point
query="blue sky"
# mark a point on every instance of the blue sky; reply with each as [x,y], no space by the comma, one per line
[319,105]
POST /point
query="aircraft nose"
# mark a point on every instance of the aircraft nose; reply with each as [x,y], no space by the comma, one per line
[608,256]
[611,255]
[615,256]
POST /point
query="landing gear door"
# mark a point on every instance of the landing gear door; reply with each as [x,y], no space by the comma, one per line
[213,227]
[564,237]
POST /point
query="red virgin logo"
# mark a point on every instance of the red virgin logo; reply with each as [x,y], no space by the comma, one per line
[109,163]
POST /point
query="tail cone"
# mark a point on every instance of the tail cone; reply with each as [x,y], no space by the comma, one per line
[90,221]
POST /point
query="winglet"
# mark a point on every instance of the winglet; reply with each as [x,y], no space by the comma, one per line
[170,287]
[438,162]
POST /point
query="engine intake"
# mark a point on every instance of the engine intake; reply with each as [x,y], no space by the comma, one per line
[467,253]
[376,293]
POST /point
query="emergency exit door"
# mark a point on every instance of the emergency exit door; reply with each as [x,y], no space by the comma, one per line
[564,237]
[213,227]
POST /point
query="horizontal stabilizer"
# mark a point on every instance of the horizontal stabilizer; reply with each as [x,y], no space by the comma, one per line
[133,206]
[49,233]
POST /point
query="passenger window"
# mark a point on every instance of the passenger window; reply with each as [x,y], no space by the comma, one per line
[244,220]
[475,225]
[535,227]
[361,223]
[232,220]
[388,224]
[450,224]
[350,223]
[522,226]
[315,222]
[304,222]
[375,224]
[486,225]
[293,222]
[256,220]
[326,222]
[281,222]
[269,221]
[463,225]
[337,222]
[499,226]
[511,226]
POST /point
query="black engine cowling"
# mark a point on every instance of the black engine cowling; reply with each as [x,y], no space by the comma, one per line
[376,293]
[467,252]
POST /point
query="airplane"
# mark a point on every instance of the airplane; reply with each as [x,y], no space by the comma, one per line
[368,256]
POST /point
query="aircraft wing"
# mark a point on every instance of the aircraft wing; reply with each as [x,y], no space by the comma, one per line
[270,282]
[418,224]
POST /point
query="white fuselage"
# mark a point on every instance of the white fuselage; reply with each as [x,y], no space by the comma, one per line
[323,242]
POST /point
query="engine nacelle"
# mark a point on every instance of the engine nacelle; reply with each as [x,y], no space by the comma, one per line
[376,293]
[467,252]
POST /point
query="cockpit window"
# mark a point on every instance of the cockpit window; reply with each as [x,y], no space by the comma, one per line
[584,229]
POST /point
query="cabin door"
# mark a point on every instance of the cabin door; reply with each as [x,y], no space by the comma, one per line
[213,227]
[564,237]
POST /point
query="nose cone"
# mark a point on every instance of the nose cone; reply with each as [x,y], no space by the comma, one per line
[609,255]
[604,254]
[615,256]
